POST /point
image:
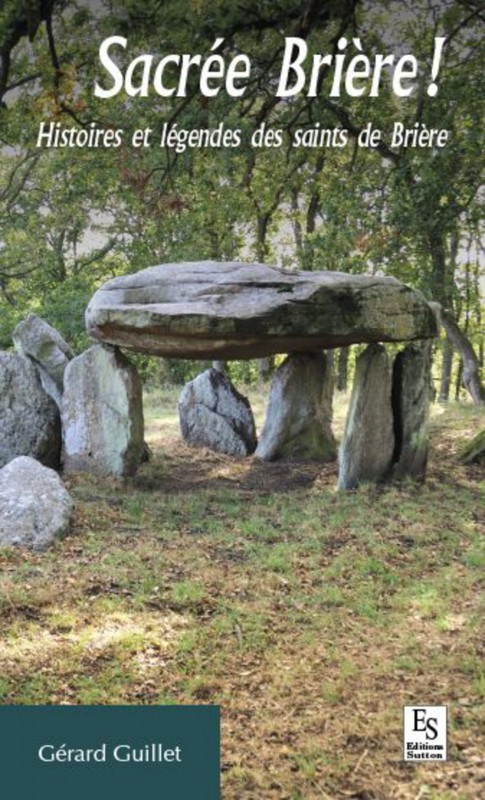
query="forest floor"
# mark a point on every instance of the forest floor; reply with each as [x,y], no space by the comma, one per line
[311,616]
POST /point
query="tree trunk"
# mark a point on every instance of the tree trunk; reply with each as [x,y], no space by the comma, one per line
[442,287]
[343,369]
[471,367]
[308,250]
[459,380]
[297,229]
[440,282]
[266,367]
[261,237]
[446,367]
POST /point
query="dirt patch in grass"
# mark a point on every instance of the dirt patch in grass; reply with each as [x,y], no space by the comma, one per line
[201,469]
[310,616]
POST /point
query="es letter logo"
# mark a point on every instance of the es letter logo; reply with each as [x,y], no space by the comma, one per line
[425,733]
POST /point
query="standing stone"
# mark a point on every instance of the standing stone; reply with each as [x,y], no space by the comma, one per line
[29,418]
[102,414]
[35,508]
[299,412]
[410,400]
[213,414]
[42,344]
[219,365]
[368,444]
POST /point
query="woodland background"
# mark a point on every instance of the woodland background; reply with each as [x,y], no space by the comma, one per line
[71,218]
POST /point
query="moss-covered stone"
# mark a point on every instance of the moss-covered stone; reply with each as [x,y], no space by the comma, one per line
[474,451]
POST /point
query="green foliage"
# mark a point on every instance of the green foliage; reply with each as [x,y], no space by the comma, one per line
[9,318]
[70,219]
[64,309]
[177,372]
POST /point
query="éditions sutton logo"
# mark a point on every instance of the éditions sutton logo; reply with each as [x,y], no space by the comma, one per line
[425,733]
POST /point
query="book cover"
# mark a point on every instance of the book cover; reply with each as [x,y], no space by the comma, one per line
[241,394]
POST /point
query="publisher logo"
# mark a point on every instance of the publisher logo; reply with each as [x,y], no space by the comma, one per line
[425,732]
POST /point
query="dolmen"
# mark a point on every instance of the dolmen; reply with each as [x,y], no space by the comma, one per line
[233,310]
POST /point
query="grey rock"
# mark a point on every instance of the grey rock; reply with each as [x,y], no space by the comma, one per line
[35,507]
[214,414]
[368,444]
[410,400]
[102,414]
[37,340]
[29,418]
[212,310]
[299,412]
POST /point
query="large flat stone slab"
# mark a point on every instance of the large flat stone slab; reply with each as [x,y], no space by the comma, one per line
[207,309]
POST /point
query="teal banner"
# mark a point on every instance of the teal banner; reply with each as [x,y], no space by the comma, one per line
[125,752]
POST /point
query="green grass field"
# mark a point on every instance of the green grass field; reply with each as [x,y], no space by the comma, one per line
[310,616]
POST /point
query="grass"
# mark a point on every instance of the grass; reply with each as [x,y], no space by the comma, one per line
[311,616]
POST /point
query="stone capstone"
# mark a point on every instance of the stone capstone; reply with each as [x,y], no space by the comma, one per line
[410,401]
[367,447]
[102,414]
[213,414]
[44,346]
[212,310]
[35,507]
[29,418]
[299,411]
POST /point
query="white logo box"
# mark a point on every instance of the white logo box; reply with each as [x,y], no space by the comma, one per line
[425,730]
